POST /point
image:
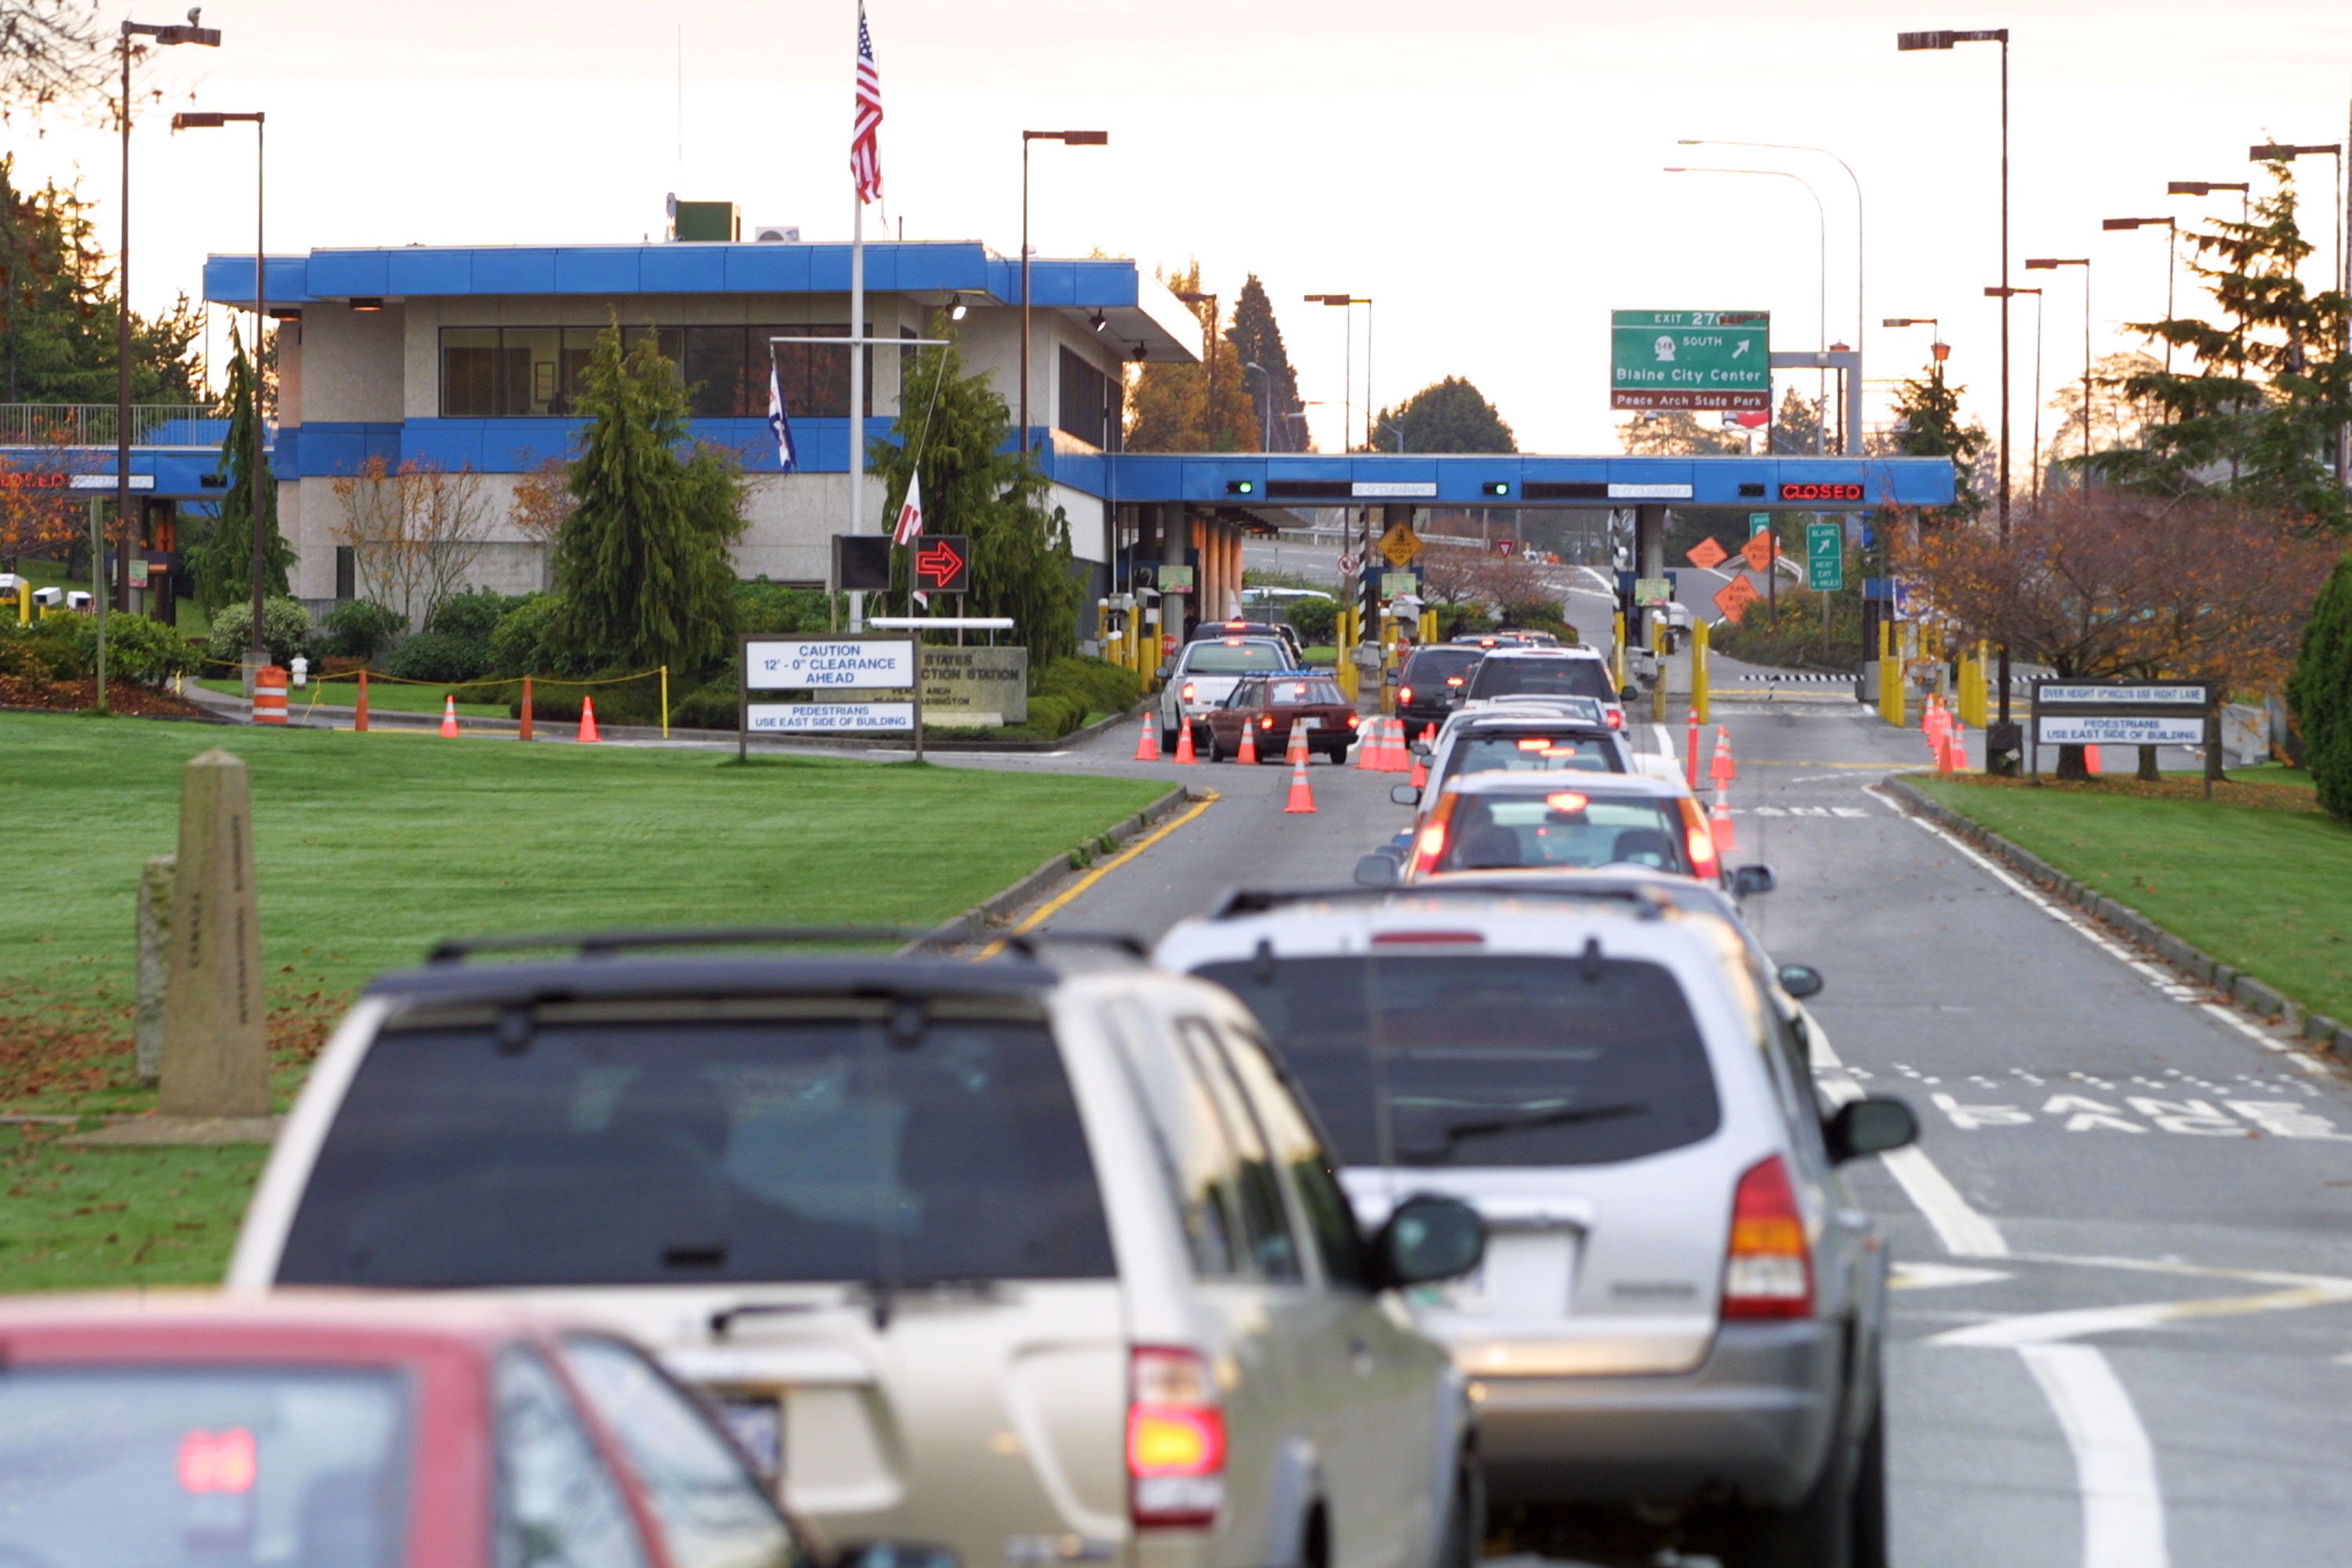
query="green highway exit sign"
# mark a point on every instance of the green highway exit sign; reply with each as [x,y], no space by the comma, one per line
[1825,556]
[1706,360]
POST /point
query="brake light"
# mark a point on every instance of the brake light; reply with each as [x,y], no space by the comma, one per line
[1768,1269]
[1405,694]
[1175,1441]
[1428,847]
[1616,718]
[1535,745]
[1698,839]
[223,1461]
[1428,939]
[1187,693]
[1453,680]
[1566,800]
[1232,642]
[1267,722]
[1353,720]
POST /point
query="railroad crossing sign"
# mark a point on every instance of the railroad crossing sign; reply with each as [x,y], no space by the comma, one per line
[943,564]
[1759,551]
[1691,359]
[1734,598]
[1707,554]
[1399,544]
[1825,556]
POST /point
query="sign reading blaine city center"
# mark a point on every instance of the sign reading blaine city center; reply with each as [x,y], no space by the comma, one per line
[1704,360]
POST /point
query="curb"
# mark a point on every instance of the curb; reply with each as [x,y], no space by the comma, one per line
[2318,1030]
[1058,870]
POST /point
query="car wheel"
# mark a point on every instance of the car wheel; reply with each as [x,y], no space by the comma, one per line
[1869,1549]
[1819,1533]
[1167,742]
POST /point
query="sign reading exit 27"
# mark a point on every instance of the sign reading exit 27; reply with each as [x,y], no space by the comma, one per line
[1719,360]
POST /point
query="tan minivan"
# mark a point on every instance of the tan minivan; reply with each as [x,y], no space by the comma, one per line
[1040,1264]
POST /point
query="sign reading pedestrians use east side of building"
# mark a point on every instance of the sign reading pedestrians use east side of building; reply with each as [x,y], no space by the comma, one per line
[2121,713]
[1825,556]
[1708,360]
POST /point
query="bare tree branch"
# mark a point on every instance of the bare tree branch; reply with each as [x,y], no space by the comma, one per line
[50,51]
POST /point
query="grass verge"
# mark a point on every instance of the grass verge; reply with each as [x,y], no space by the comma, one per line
[384,697]
[2257,877]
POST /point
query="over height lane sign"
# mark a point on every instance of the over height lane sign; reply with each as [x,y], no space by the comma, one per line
[1712,360]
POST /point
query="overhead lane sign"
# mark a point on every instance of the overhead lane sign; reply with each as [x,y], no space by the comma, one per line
[1700,359]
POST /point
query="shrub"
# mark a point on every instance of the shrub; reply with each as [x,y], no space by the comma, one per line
[713,707]
[2320,691]
[285,631]
[520,646]
[138,649]
[619,702]
[1461,620]
[1315,620]
[440,656]
[474,613]
[31,654]
[1053,717]
[773,609]
[1097,685]
[1529,614]
[361,629]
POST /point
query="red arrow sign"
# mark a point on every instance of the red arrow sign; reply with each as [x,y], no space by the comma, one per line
[943,564]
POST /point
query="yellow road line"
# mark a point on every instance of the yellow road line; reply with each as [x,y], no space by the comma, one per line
[1063,900]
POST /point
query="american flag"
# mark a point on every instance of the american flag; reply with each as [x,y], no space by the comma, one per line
[865,151]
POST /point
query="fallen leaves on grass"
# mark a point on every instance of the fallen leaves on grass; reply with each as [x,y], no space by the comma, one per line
[77,696]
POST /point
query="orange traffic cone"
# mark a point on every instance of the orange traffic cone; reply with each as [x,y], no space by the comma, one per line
[1249,744]
[1940,746]
[1723,767]
[1419,779]
[1392,757]
[588,721]
[449,716]
[1184,742]
[1294,749]
[1694,748]
[1956,741]
[1367,746]
[1147,750]
[1718,823]
[1302,794]
[2091,762]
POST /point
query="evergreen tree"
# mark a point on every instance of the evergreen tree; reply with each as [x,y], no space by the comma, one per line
[955,430]
[1449,415]
[221,556]
[1256,339]
[2320,691]
[641,562]
[1676,433]
[57,310]
[1173,406]
[1927,416]
[1797,427]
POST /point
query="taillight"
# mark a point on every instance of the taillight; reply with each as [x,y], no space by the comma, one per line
[1405,694]
[223,1461]
[1354,720]
[1428,847]
[1767,1271]
[1175,1441]
[1186,694]
[1616,717]
[1267,722]
[1699,840]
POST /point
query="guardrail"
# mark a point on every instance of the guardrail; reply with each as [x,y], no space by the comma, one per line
[188,425]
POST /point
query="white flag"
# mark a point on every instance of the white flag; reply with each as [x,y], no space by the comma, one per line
[910,513]
[780,422]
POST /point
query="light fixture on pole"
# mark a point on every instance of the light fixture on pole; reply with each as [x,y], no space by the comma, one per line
[1067,139]
[1852,178]
[1939,348]
[1265,441]
[1822,278]
[957,309]
[2004,744]
[257,648]
[1995,293]
[1099,320]
[2245,217]
[2171,262]
[2051,264]
[1347,364]
[1209,355]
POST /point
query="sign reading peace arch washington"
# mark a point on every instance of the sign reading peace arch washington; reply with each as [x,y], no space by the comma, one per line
[1707,360]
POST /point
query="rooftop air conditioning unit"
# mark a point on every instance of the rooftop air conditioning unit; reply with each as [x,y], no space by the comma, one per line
[777,234]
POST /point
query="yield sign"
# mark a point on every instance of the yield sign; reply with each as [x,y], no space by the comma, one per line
[1706,554]
[1760,550]
[943,564]
[1734,598]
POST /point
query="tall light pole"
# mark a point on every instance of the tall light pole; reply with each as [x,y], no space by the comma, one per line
[2005,741]
[2050,264]
[1992,293]
[1265,440]
[2171,263]
[256,649]
[2245,217]
[1348,367]
[163,35]
[1821,275]
[1852,178]
[1067,139]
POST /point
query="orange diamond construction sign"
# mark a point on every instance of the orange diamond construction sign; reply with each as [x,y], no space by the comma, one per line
[1706,554]
[1760,550]
[1734,598]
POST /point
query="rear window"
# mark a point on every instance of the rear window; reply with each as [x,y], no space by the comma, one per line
[1303,693]
[1518,752]
[1565,827]
[1232,658]
[1434,663]
[1542,677]
[225,1465]
[696,1150]
[1487,1060]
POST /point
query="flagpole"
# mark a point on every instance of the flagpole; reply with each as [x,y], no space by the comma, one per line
[857,392]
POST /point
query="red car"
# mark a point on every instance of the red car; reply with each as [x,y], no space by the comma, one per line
[1269,704]
[350,1432]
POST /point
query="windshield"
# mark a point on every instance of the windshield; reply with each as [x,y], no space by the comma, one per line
[1565,827]
[688,1150]
[1232,658]
[1505,1060]
[1434,663]
[1503,677]
[1519,752]
[228,1467]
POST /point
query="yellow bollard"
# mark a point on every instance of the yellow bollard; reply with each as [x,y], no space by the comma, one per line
[1701,635]
[1429,626]
[24,602]
[1617,650]
[665,674]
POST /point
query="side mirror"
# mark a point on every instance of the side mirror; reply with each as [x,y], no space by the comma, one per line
[1378,870]
[1870,1126]
[1405,795]
[1750,879]
[1419,749]
[1429,1238]
[1166,671]
[1631,693]
[896,1554]
[1801,980]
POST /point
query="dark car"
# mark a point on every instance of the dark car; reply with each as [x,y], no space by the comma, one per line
[1432,683]
[1548,672]
[1269,704]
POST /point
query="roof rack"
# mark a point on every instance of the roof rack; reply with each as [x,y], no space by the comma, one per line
[1647,904]
[606,944]
[1032,943]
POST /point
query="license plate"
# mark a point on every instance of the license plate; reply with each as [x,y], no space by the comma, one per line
[757,1424]
[1312,724]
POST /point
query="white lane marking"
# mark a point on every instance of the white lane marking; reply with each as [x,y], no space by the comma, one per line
[1665,739]
[1936,1276]
[2055,1328]
[2114,1464]
[1963,1232]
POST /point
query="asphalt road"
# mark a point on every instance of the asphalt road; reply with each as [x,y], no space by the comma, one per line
[2125,1304]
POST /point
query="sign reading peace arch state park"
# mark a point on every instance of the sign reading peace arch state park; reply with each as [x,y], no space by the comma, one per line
[1704,360]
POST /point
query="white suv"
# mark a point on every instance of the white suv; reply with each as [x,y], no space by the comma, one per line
[1041,1266]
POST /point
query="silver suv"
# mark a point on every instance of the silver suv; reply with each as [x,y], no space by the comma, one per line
[1682,1309]
[1042,1264]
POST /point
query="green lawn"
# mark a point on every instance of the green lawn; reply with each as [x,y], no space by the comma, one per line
[75,1218]
[2258,877]
[383,696]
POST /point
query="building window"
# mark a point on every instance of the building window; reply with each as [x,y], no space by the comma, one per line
[534,373]
[1092,404]
[346,574]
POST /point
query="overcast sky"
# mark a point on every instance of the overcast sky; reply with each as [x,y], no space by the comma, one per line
[1489,175]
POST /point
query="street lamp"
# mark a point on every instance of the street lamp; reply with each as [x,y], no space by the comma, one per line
[1941,350]
[1855,180]
[1995,293]
[2171,263]
[1822,274]
[1067,139]
[1265,440]
[2004,741]
[1209,354]
[256,649]
[1398,430]
[1348,371]
[163,35]
[2049,264]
